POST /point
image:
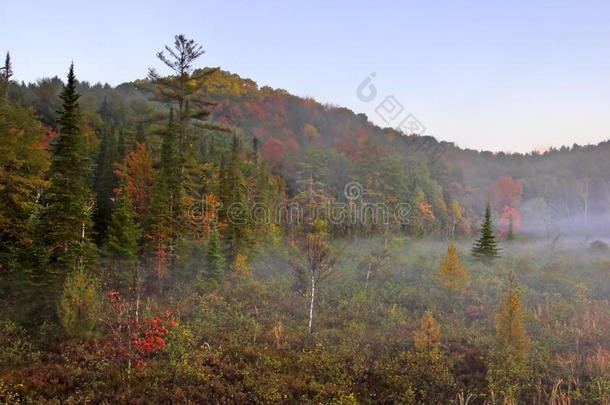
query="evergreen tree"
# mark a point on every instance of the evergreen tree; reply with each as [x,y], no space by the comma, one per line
[79,306]
[6,72]
[123,235]
[104,182]
[158,219]
[171,184]
[234,199]
[486,247]
[122,146]
[164,220]
[263,198]
[170,162]
[65,226]
[182,90]
[216,261]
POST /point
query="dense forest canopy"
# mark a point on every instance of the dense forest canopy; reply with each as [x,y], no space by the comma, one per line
[191,237]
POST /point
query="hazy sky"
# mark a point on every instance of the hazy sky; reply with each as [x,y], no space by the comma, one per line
[482,74]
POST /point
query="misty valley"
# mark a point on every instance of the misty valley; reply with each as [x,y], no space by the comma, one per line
[191,237]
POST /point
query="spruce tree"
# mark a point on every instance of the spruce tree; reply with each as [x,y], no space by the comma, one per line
[104,181]
[234,199]
[170,163]
[6,72]
[123,235]
[216,261]
[164,222]
[65,226]
[172,180]
[486,247]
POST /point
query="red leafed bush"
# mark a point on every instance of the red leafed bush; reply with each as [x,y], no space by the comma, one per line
[132,340]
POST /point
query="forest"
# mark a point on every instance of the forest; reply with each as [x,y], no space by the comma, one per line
[191,237]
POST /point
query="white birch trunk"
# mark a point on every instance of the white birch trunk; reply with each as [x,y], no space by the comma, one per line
[313,294]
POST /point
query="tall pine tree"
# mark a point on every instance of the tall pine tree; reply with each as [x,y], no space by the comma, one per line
[486,247]
[65,226]
[6,72]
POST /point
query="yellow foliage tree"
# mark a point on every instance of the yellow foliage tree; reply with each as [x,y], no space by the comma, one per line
[311,132]
[452,275]
[241,266]
[456,213]
[508,366]
[428,336]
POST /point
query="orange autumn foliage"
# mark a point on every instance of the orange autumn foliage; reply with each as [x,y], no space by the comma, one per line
[507,192]
[428,337]
[452,275]
[140,178]
[426,211]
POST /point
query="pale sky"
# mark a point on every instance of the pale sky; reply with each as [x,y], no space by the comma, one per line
[491,75]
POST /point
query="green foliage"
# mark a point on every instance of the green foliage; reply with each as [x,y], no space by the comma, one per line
[123,237]
[23,161]
[80,305]
[233,194]
[18,348]
[65,226]
[215,260]
[104,181]
[486,247]
[242,338]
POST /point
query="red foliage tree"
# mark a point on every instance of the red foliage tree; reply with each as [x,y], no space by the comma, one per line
[507,191]
[505,218]
[291,144]
[272,150]
[228,112]
[140,178]
[347,147]
[48,138]
[260,133]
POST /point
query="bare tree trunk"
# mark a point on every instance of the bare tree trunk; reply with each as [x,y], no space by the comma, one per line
[368,276]
[453,229]
[313,294]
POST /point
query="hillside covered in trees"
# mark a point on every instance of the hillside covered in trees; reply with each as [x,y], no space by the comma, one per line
[192,237]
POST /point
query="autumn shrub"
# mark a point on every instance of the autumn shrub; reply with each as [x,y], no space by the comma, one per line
[17,347]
